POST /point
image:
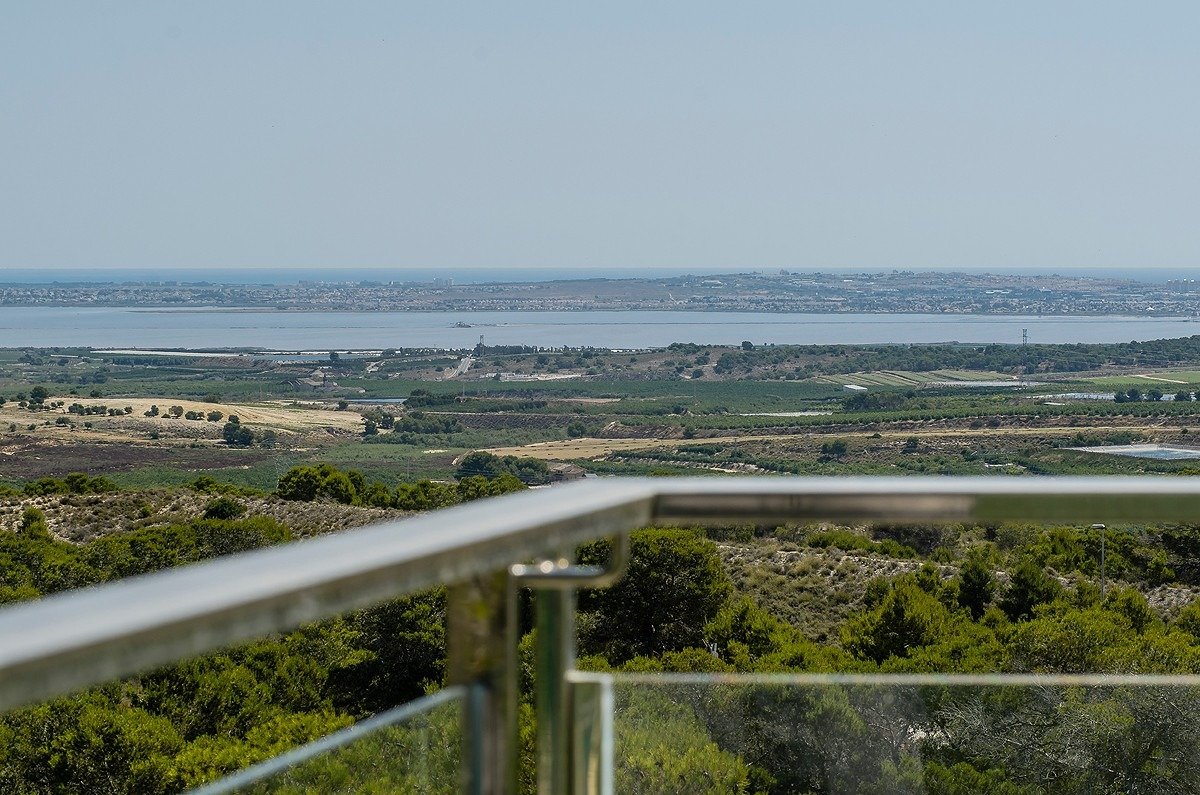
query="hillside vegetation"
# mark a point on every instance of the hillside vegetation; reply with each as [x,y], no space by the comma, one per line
[796,599]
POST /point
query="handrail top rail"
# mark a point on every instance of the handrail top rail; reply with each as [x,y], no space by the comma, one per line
[808,679]
[96,634]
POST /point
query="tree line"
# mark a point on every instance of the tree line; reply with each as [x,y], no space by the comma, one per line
[1019,359]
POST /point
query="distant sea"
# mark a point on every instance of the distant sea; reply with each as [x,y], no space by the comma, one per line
[482,275]
[110,327]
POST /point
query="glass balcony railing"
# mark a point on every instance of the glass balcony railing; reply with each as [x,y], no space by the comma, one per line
[415,748]
[671,734]
[1007,735]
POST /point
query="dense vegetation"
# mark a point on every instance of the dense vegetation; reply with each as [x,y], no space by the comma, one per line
[176,727]
[527,470]
[1045,615]
[1009,598]
[327,482]
[997,358]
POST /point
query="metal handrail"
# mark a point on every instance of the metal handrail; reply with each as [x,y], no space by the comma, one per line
[96,634]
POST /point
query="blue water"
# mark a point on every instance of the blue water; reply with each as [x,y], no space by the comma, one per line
[1156,452]
[1167,455]
[112,327]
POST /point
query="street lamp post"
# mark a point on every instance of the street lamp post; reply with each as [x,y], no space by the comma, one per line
[1103,579]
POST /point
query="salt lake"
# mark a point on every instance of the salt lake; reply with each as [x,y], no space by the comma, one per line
[119,327]
[1155,451]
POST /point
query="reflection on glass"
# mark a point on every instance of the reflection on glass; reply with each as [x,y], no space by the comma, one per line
[1042,735]
[412,749]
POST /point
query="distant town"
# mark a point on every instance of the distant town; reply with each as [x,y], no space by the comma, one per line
[777,291]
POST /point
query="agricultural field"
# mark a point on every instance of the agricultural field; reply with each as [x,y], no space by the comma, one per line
[1166,380]
[161,419]
[900,378]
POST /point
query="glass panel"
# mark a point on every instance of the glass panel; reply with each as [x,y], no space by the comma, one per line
[1014,736]
[415,748]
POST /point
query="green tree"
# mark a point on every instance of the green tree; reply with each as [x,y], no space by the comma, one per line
[1068,641]
[674,586]
[1188,619]
[907,619]
[82,483]
[87,745]
[834,449]
[425,495]
[480,463]
[401,652]
[977,584]
[1030,587]
[528,470]
[667,750]
[322,482]
[207,757]
[224,508]
[962,778]
[237,435]
[742,633]
[33,525]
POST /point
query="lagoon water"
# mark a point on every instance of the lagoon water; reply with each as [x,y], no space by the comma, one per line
[1156,451]
[114,327]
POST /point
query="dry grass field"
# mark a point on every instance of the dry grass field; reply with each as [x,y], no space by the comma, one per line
[53,442]
[276,415]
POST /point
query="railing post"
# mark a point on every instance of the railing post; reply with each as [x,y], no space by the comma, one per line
[554,582]
[480,647]
[555,655]
[592,705]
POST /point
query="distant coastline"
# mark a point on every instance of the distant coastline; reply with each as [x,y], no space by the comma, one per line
[782,292]
[268,310]
[280,276]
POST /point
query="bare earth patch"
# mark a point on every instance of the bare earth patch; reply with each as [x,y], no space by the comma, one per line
[27,457]
[569,449]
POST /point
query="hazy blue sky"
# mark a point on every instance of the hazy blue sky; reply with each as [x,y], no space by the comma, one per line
[692,134]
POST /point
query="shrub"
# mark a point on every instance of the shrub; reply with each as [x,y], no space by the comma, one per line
[224,508]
